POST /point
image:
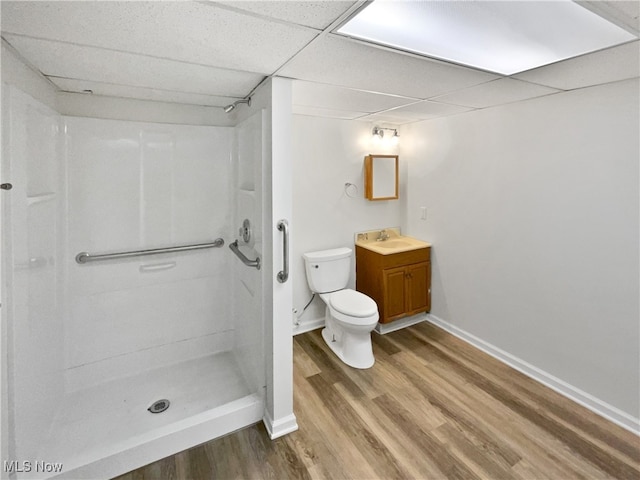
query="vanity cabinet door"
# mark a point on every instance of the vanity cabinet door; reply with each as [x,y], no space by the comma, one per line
[395,292]
[419,288]
[406,291]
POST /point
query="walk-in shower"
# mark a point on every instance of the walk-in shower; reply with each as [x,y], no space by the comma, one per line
[130,334]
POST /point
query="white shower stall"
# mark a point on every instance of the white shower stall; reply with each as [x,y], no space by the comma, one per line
[87,348]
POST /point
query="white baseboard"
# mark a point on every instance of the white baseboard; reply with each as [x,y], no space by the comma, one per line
[585,399]
[309,325]
[280,427]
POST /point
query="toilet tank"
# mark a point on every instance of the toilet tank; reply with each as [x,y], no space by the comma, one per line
[328,270]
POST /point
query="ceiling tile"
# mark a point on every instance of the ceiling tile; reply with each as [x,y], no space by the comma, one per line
[326,112]
[344,62]
[388,119]
[427,109]
[312,14]
[424,110]
[625,13]
[610,65]
[340,98]
[187,31]
[497,92]
[111,90]
[88,63]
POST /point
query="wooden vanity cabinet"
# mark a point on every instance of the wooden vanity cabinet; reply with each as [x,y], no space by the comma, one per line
[400,283]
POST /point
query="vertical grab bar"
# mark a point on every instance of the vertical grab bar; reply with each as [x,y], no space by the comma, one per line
[283,274]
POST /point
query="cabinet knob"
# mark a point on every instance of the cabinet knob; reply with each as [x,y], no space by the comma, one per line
[6,186]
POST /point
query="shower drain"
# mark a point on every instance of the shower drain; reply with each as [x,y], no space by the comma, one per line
[159,406]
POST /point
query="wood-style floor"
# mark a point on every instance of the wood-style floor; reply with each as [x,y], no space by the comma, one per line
[432,407]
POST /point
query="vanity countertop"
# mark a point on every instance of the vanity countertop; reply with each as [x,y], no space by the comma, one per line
[394,243]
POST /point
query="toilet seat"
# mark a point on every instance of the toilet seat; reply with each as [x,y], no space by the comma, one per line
[352,307]
[353,303]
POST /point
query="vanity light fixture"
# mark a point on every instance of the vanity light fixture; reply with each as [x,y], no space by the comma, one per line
[229,108]
[379,132]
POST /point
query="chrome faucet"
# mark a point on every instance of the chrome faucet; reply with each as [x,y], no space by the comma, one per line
[382,236]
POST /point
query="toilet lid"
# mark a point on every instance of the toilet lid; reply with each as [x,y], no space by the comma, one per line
[352,303]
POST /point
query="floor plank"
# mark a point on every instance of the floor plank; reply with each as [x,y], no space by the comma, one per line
[431,407]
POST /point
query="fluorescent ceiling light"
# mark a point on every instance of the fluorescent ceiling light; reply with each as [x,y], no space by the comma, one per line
[498,36]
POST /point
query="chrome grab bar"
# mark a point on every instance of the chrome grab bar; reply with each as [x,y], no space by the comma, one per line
[84,257]
[248,262]
[283,274]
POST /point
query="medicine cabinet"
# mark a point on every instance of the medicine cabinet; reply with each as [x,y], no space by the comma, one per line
[381,177]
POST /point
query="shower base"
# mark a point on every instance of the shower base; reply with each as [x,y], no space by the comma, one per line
[106,430]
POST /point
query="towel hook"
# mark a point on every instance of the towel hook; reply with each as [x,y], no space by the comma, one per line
[349,190]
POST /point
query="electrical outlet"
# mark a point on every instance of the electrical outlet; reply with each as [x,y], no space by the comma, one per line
[423,213]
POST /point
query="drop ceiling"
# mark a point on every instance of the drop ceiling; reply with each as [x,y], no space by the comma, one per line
[213,53]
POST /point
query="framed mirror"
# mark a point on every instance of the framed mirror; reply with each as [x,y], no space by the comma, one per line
[381,177]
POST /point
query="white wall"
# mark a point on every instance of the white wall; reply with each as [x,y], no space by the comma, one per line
[533,214]
[277,185]
[274,99]
[135,186]
[327,153]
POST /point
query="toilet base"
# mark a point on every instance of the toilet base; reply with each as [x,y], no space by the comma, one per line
[354,350]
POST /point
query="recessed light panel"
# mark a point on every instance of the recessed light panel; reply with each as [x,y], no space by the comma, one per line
[497,36]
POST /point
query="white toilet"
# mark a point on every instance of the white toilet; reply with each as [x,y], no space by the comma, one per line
[350,316]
